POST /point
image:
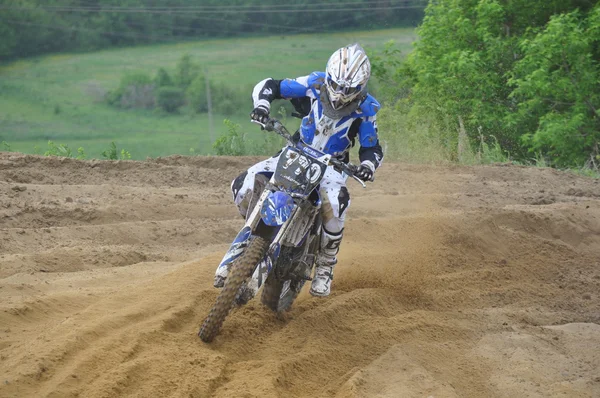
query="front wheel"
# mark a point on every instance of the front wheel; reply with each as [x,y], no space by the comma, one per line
[240,271]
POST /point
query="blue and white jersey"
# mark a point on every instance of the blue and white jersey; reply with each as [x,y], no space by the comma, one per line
[332,136]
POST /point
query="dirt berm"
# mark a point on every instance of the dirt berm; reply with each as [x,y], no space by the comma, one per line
[452,282]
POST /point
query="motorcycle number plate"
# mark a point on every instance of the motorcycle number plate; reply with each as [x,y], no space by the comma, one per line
[298,172]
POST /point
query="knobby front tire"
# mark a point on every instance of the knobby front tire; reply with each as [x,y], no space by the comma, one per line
[241,269]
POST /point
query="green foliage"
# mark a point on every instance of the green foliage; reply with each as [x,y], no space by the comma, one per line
[30,89]
[587,172]
[525,72]
[186,71]
[233,142]
[58,150]
[236,143]
[111,153]
[125,155]
[196,94]
[81,154]
[162,78]
[411,140]
[491,152]
[34,27]
[557,86]
[170,99]
[390,80]
[464,76]
[6,147]
[226,100]
[136,90]
[540,160]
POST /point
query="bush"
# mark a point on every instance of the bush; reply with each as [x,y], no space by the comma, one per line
[113,154]
[232,142]
[529,77]
[58,150]
[557,86]
[186,71]
[81,154]
[225,100]
[136,90]
[196,94]
[125,155]
[162,78]
[170,99]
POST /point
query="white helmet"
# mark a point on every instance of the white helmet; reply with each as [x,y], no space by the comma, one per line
[347,74]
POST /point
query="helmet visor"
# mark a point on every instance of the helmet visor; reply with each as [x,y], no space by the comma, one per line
[341,95]
[342,89]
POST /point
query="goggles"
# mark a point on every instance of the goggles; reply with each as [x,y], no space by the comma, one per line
[342,89]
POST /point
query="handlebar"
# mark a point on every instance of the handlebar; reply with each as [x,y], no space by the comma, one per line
[275,126]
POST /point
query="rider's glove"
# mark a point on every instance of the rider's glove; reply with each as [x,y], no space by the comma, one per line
[366,171]
[260,114]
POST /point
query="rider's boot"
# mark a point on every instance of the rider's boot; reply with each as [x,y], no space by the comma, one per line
[326,261]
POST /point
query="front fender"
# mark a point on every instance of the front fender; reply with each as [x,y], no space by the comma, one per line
[277,208]
[237,247]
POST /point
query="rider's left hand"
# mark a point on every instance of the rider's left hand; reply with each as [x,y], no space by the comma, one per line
[365,172]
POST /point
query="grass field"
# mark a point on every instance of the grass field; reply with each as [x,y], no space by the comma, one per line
[59,97]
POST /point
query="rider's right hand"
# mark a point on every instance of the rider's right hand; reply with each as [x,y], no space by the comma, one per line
[260,114]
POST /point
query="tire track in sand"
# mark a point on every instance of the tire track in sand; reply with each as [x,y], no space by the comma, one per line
[448,279]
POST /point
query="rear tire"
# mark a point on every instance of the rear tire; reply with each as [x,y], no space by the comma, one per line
[241,270]
[272,293]
[273,287]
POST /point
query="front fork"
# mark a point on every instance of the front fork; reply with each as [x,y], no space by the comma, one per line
[242,240]
[304,262]
[255,226]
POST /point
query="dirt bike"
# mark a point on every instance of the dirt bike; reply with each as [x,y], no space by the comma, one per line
[280,241]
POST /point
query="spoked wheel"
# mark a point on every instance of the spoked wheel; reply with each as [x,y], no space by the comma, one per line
[278,293]
[240,271]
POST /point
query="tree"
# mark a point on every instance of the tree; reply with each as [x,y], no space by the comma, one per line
[186,71]
[33,27]
[170,99]
[162,78]
[557,86]
[524,71]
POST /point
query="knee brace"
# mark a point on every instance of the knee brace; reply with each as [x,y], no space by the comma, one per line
[330,242]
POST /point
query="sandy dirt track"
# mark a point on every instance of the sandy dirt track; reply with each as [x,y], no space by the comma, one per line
[452,282]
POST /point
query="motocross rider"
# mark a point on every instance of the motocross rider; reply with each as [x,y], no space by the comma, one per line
[338,111]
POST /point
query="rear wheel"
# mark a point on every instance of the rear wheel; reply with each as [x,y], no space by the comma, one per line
[240,271]
[279,295]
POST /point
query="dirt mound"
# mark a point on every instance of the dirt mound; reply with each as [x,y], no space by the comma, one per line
[453,282]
